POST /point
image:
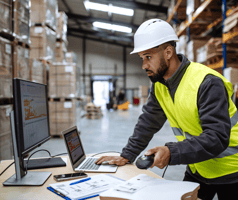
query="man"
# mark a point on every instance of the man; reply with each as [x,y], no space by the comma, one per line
[196,100]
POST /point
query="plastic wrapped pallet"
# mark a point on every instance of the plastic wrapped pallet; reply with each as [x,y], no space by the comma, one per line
[5,68]
[202,54]
[21,62]
[6,16]
[71,57]
[21,20]
[60,51]
[5,133]
[42,43]
[37,71]
[182,45]
[45,12]
[63,80]
[62,21]
[63,114]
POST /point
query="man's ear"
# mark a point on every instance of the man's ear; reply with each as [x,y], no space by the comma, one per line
[168,52]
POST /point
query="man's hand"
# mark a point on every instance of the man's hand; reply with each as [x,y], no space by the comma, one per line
[162,156]
[113,160]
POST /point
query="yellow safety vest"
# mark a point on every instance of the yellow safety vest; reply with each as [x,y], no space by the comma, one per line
[182,114]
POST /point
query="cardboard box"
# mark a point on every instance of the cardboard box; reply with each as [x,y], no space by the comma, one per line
[21,20]
[42,43]
[143,91]
[5,118]
[6,149]
[21,62]
[231,74]
[60,51]
[71,57]
[64,80]
[5,68]
[45,12]
[63,114]
[62,21]
[182,45]
[192,47]
[6,16]
[37,71]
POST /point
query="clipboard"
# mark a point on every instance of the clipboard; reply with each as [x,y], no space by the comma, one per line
[64,197]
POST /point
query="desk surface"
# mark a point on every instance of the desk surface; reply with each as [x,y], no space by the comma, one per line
[41,192]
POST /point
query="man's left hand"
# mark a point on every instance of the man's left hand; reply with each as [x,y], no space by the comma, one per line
[162,156]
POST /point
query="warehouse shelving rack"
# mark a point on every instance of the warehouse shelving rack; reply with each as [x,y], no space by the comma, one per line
[191,27]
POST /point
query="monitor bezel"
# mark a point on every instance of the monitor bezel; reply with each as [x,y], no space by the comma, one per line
[18,117]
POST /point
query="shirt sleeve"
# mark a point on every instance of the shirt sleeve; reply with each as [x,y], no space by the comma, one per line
[213,109]
[149,122]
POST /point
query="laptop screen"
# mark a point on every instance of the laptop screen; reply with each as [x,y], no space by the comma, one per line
[74,145]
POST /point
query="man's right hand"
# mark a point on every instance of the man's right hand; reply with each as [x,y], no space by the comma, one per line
[113,160]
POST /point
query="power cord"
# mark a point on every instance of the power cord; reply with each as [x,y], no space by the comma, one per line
[30,157]
[164,171]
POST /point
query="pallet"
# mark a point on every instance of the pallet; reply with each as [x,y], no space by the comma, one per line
[43,24]
[6,101]
[63,99]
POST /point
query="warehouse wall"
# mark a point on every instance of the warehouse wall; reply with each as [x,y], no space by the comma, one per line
[103,57]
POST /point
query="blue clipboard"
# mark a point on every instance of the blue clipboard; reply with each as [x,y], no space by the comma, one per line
[64,197]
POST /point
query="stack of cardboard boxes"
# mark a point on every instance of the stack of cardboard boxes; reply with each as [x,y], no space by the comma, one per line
[143,93]
[64,104]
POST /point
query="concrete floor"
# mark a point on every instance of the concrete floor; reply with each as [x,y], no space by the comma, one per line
[111,132]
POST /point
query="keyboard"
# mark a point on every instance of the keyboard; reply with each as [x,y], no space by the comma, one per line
[90,164]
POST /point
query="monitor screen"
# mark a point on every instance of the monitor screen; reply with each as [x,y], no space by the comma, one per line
[74,145]
[31,114]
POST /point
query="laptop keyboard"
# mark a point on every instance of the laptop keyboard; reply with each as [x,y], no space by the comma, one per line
[90,164]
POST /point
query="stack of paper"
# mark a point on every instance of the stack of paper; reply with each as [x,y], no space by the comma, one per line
[144,187]
[90,188]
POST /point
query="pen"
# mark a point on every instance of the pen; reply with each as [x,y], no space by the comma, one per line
[80,181]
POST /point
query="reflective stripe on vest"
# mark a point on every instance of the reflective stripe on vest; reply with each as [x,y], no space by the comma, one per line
[183,117]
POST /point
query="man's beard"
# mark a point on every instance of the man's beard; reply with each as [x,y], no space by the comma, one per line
[160,72]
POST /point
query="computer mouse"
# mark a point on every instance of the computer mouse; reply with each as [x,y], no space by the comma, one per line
[144,162]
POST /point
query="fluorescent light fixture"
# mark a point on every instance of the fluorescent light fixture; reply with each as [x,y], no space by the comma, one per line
[112,27]
[110,8]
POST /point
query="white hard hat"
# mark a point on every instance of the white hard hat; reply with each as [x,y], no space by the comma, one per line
[152,33]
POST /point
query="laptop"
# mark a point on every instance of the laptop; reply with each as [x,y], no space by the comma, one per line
[77,156]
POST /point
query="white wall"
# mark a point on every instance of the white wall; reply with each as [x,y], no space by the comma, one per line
[103,57]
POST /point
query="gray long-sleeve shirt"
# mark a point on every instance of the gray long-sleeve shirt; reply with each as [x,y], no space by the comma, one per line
[213,111]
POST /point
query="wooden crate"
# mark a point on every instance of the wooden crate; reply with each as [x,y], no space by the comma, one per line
[5,68]
[63,114]
[63,80]
[42,43]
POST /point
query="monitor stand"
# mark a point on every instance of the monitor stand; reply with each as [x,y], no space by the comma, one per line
[17,179]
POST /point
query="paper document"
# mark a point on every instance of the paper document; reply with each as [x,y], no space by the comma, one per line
[143,187]
[96,185]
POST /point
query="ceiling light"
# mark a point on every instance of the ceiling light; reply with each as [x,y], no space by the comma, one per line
[112,27]
[110,8]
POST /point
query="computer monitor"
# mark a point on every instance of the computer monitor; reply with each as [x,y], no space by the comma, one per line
[30,128]
[31,115]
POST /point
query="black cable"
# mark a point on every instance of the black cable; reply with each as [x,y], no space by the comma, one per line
[6,168]
[33,154]
[58,155]
[105,152]
[164,171]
